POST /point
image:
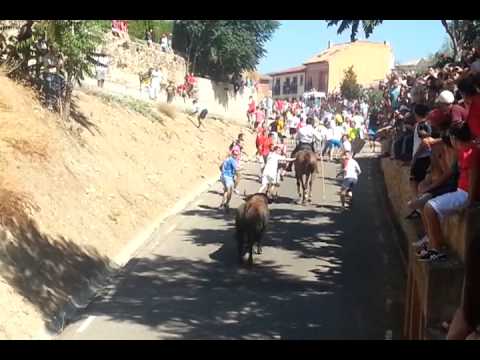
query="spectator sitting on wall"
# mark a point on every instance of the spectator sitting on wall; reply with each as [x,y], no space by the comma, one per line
[445,205]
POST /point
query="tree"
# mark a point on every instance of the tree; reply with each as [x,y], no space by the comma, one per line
[222,48]
[349,87]
[367,25]
[75,41]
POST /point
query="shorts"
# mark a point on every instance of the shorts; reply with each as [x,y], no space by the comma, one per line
[449,204]
[227,182]
[349,183]
[335,143]
[268,180]
[101,73]
[419,169]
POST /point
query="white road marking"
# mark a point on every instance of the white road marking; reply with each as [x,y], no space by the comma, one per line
[86,324]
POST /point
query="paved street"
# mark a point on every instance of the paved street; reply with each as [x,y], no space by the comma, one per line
[325,273]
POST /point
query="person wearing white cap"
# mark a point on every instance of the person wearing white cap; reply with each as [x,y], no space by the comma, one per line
[445,97]
[444,115]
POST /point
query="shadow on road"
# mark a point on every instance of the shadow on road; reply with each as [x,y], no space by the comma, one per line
[324,274]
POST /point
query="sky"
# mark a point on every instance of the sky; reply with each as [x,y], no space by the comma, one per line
[295,41]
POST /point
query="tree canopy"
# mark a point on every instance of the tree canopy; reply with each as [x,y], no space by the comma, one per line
[222,48]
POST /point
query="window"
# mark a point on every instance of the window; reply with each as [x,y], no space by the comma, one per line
[294,87]
[276,87]
[286,86]
[309,84]
[301,80]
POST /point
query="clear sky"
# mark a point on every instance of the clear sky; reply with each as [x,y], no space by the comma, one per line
[295,41]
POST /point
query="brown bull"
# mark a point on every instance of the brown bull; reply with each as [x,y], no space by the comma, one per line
[251,224]
[305,168]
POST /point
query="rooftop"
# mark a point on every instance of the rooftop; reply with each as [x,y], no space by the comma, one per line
[327,54]
[288,71]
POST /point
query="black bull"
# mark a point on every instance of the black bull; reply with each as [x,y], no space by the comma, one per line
[251,224]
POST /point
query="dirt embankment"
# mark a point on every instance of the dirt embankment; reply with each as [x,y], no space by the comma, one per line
[71,200]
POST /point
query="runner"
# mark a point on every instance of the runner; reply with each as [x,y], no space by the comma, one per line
[228,170]
[351,170]
[251,110]
[237,146]
[270,171]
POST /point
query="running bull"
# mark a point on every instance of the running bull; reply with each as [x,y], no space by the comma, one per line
[251,224]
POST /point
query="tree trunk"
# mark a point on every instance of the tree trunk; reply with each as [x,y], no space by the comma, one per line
[452,34]
[67,101]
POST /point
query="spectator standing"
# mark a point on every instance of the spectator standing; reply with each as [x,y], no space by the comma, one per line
[156,80]
[101,68]
[170,47]
[421,154]
[170,91]
[164,43]
[149,37]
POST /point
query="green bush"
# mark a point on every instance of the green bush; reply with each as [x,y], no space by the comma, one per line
[137,28]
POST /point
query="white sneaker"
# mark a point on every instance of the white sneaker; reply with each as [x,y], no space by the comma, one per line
[236,191]
[422,242]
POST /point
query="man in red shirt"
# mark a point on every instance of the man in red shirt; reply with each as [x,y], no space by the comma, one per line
[266,147]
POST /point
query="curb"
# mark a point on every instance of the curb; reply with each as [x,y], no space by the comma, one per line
[81,300]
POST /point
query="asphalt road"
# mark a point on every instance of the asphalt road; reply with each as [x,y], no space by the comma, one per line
[325,273]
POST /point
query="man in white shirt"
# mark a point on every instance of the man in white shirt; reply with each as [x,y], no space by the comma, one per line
[358,120]
[156,80]
[306,137]
[270,171]
[351,170]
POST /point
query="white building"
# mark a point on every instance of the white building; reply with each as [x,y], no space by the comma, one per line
[289,83]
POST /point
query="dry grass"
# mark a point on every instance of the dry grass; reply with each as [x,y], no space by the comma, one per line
[168,110]
[39,151]
[4,107]
[15,207]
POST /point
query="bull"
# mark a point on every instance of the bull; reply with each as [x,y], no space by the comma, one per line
[251,224]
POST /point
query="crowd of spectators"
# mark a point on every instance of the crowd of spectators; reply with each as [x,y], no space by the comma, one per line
[431,122]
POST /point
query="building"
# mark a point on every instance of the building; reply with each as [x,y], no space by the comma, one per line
[289,83]
[264,88]
[371,62]
[415,65]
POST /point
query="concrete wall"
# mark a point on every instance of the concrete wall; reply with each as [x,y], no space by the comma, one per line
[397,182]
[220,99]
[128,58]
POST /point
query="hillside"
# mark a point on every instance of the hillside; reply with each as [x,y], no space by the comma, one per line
[72,196]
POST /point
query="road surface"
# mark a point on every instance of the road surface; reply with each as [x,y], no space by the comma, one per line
[325,273]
